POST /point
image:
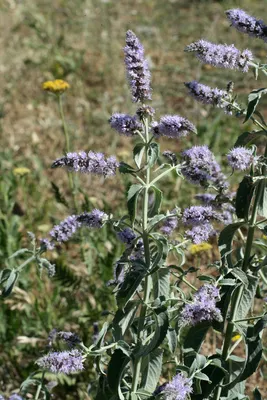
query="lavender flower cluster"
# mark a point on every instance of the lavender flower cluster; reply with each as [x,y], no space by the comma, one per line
[62,362]
[177,389]
[94,163]
[126,236]
[246,23]
[173,126]
[125,124]
[207,95]
[200,167]
[70,338]
[199,217]
[203,307]
[170,224]
[137,68]
[221,55]
[69,226]
[241,158]
[12,397]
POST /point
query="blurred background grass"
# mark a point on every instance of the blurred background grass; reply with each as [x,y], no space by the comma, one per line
[81,41]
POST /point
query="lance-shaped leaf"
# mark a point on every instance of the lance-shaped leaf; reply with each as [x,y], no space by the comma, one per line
[225,242]
[161,328]
[244,196]
[138,153]
[247,138]
[161,283]
[131,282]
[151,370]
[262,209]
[116,368]
[8,280]
[132,197]
[253,100]
[152,154]
[123,319]
[157,200]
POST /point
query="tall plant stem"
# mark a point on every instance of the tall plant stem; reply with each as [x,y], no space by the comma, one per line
[67,150]
[38,391]
[147,283]
[238,294]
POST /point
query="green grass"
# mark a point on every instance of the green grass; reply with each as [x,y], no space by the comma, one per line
[81,41]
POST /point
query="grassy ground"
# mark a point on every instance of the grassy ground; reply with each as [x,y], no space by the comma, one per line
[81,41]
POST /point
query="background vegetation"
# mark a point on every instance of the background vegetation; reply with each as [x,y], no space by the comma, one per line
[81,41]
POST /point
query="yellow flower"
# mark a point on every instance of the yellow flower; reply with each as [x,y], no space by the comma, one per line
[21,171]
[57,86]
[198,248]
[236,337]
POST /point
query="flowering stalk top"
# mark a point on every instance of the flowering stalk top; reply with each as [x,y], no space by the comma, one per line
[246,23]
[94,163]
[177,389]
[240,158]
[203,307]
[173,126]
[125,124]
[221,55]
[64,362]
[137,68]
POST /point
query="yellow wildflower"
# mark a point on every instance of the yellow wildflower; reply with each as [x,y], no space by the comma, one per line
[264,237]
[57,86]
[236,337]
[198,248]
[21,171]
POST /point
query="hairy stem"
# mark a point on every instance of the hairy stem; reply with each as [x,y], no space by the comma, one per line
[147,283]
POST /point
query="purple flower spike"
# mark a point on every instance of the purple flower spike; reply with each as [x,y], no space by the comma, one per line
[203,307]
[94,163]
[200,167]
[169,224]
[174,126]
[66,229]
[124,124]
[200,233]
[240,158]
[70,338]
[221,55]
[137,68]
[246,23]
[94,219]
[62,362]
[127,236]
[197,215]
[207,95]
[177,389]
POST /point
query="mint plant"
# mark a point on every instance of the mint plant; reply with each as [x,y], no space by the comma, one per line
[151,346]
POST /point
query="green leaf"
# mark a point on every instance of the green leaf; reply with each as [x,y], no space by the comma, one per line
[9,283]
[215,375]
[155,220]
[248,295]
[225,242]
[161,283]
[116,368]
[103,391]
[253,100]
[160,252]
[195,336]
[133,194]
[172,339]
[244,196]
[262,209]
[20,252]
[123,320]
[151,370]
[155,207]
[126,168]
[58,195]
[161,329]
[152,154]
[202,377]
[131,282]
[247,138]
[138,153]
[257,394]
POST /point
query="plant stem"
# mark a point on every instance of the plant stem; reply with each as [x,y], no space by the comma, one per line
[67,150]
[36,397]
[147,283]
